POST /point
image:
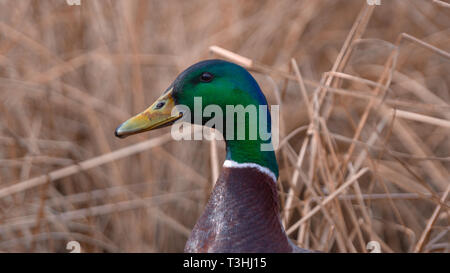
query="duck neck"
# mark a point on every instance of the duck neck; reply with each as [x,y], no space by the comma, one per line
[247,130]
[250,151]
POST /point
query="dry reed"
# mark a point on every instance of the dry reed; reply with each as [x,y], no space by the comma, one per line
[364,125]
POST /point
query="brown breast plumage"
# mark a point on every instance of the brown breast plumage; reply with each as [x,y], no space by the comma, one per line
[241,216]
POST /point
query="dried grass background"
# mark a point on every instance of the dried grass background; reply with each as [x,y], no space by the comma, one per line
[365,120]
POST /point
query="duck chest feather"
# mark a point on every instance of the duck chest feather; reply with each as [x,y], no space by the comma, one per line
[241,216]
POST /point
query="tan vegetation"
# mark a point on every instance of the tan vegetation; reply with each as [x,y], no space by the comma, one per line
[365,120]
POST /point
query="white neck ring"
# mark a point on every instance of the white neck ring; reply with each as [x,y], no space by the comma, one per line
[233,164]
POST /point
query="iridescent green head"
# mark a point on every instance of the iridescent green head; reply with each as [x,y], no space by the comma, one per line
[204,90]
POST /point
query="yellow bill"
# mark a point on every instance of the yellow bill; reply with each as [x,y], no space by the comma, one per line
[160,114]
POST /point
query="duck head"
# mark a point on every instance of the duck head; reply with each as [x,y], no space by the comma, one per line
[225,86]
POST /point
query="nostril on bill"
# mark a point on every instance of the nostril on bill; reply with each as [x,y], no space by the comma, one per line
[160,104]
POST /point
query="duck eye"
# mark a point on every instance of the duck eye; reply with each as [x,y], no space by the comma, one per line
[206,77]
[160,105]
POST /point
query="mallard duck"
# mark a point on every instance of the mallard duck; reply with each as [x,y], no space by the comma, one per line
[242,214]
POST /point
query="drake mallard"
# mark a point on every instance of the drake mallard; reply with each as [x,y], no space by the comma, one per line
[242,214]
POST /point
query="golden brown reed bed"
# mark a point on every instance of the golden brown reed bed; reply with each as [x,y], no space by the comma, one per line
[365,120]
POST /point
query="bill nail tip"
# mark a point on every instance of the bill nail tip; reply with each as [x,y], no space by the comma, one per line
[116,133]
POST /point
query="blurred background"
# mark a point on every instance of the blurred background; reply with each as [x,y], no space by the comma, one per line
[365,157]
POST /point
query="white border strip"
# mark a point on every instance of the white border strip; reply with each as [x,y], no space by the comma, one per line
[233,164]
